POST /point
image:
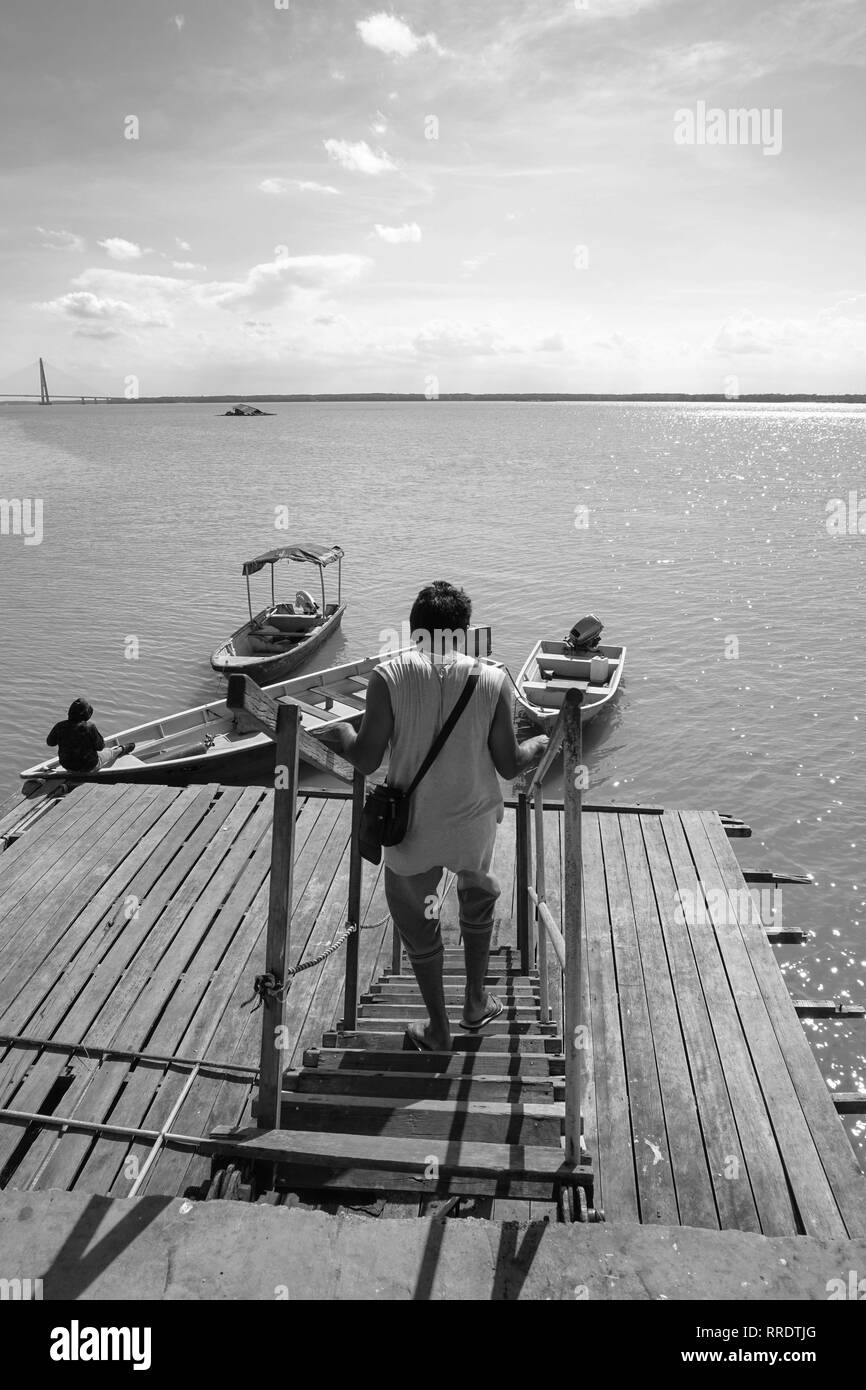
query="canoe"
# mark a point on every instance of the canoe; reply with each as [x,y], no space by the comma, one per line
[211,743]
[553,668]
[276,641]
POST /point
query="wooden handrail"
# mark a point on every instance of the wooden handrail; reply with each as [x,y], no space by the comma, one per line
[282,723]
[567,943]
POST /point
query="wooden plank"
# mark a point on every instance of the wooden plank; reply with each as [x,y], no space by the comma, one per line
[534,1162]
[720,1142]
[460,1121]
[695,1202]
[131,1009]
[521,897]
[812,1191]
[655,1181]
[432,1086]
[459,1063]
[312,1182]
[763,1167]
[616,1180]
[837,1157]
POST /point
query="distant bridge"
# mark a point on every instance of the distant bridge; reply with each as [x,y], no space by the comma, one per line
[43,397]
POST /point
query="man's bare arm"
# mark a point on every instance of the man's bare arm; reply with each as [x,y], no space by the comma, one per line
[365,749]
[510,758]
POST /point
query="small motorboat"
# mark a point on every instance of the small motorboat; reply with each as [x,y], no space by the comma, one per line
[578,662]
[212,743]
[279,639]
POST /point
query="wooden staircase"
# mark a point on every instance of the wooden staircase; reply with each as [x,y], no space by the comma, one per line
[370,1115]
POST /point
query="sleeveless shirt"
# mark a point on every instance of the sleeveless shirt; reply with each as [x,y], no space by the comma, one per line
[454,811]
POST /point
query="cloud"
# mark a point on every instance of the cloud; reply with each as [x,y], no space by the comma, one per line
[379,123]
[273,281]
[358,158]
[747,335]
[441,338]
[182,245]
[473,263]
[188,265]
[180,21]
[61,241]
[393,37]
[302,186]
[102,317]
[120,250]
[554,342]
[410,231]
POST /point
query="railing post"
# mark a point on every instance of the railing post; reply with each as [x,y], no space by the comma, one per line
[288,723]
[573,924]
[350,992]
[522,873]
[540,893]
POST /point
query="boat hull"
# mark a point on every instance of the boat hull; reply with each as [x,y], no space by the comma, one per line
[266,669]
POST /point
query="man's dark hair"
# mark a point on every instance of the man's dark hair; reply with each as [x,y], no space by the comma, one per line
[79,711]
[440,607]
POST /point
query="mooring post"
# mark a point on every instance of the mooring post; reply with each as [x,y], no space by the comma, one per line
[356,865]
[575,1037]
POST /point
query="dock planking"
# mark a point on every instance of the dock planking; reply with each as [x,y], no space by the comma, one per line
[133,918]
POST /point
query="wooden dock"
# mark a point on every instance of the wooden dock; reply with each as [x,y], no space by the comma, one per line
[132,927]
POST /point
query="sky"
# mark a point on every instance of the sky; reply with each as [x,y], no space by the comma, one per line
[244,196]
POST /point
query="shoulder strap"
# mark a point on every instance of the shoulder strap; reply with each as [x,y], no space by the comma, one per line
[445,732]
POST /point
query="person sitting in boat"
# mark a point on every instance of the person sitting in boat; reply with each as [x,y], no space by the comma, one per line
[80,746]
[455,810]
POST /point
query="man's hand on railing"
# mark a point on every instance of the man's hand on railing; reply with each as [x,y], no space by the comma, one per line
[530,753]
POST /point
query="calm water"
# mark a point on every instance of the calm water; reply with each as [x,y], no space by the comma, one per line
[706,534]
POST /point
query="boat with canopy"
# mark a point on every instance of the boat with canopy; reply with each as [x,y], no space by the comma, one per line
[277,640]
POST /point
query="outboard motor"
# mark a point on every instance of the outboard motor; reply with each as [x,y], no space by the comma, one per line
[585,634]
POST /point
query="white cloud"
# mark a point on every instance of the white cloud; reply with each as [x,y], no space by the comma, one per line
[188,265]
[180,21]
[393,36]
[472,263]
[358,158]
[183,245]
[302,186]
[102,317]
[120,250]
[273,281]
[410,231]
[61,241]
[379,123]
[747,335]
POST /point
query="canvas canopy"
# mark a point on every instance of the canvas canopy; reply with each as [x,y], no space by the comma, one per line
[307,552]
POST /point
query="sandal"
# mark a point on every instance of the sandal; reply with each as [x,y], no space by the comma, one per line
[494,1009]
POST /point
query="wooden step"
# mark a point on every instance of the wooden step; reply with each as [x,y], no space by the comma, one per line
[426,1085]
[391,1056]
[392,1040]
[456,975]
[384,1009]
[497,1026]
[457,1121]
[446,1158]
[317,1184]
[404,995]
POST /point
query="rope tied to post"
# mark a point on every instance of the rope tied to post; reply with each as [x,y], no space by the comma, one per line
[269,987]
